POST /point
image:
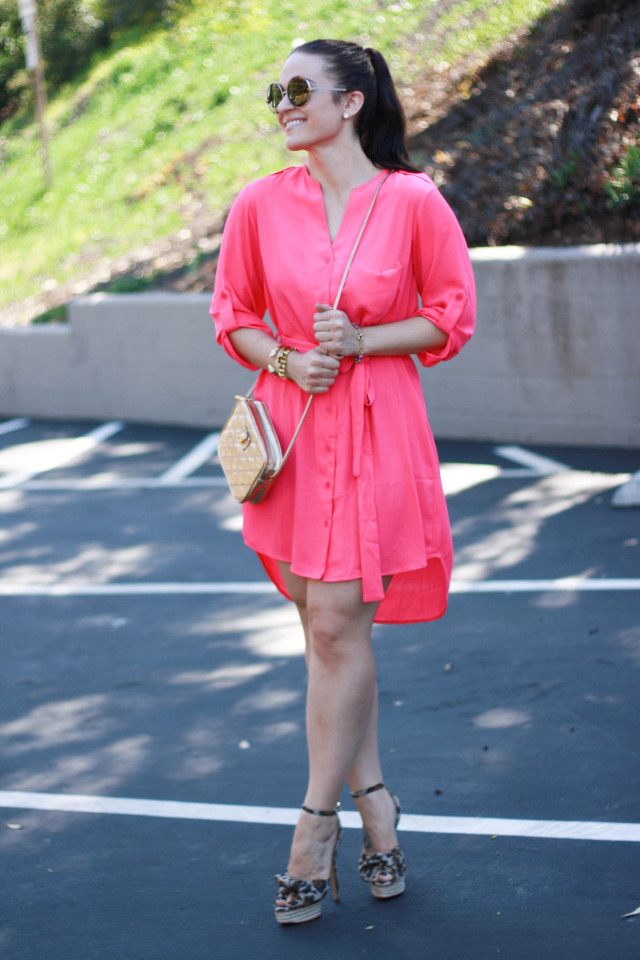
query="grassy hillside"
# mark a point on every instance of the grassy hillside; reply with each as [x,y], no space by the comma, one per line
[150,146]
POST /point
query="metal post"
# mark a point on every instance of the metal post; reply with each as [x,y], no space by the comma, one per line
[29,15]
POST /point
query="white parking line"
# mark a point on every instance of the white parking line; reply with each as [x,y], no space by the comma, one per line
[102,483]
[202,452]
[45,455]
[10,425]
[410,823]
[541,466]
[10,588]
[542,586]
[453,481]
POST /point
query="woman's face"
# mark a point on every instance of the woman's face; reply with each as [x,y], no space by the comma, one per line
[320,120]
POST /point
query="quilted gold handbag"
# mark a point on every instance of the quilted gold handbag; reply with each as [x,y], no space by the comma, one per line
[248,448]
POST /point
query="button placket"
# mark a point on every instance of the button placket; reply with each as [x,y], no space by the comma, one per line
[327,470]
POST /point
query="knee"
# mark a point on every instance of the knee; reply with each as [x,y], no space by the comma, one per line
[328,631]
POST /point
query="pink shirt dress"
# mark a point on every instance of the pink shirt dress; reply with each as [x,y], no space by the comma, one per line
[360,496]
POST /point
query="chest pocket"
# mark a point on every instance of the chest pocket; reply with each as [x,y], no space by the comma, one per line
[369,295]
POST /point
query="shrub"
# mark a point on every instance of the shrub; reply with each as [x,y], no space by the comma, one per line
[623,189]
[117,15]
[70,31]
[11,58]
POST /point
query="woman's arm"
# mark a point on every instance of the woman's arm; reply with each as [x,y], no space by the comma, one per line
[336,334]
[254,346]
[314,371]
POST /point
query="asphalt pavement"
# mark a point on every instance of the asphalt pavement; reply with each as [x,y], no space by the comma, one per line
[152,750]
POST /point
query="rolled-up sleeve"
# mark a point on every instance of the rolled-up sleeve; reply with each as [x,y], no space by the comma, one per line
[238,295]
[444,275]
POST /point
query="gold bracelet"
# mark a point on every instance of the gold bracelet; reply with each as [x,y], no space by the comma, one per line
[360,343]
[279,365]
[281,361]
[274,353]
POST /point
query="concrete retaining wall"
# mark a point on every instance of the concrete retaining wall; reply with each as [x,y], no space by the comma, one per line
[555,358]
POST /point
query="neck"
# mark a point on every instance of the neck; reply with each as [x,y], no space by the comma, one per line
[339,171]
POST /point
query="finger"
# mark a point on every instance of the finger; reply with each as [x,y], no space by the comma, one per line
[325,375]
[326,315]
[322,358]
[321,330]
[325,311]
[328,375]
[329,363]
[328,346]
[320,327]
[327,333]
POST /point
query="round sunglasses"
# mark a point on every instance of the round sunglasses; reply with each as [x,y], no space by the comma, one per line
[298,90]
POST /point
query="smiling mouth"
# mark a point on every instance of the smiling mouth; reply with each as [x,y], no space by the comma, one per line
[293,123]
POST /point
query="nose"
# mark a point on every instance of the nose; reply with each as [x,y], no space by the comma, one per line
[282,106]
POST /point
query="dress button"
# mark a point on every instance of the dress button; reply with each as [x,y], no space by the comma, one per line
[327,484]
[326,523]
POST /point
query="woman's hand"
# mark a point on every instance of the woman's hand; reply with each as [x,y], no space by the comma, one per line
[334,331]
[313,371]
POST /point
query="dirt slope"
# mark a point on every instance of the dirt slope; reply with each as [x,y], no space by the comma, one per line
[522,148]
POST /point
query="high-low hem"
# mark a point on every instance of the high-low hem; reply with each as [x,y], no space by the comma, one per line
[421,596]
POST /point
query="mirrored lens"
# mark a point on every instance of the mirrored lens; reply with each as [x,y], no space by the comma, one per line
[274,96]
[298,91]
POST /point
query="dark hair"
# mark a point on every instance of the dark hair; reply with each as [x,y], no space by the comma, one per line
[380,123]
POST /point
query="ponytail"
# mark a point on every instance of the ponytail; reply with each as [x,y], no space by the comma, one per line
[382,130]
[380,123]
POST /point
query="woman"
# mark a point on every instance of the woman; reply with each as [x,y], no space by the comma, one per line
[355,529]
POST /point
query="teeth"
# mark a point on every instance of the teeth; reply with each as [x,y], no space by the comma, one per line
[294,123]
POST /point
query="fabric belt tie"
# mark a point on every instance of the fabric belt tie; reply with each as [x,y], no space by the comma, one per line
[362,397]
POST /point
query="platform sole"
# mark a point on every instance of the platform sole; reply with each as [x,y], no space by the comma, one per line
[389,890]
[299,914]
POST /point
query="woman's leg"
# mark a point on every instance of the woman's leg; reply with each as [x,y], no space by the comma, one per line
[377,809]
[341,692]
[341,706]
[366,768]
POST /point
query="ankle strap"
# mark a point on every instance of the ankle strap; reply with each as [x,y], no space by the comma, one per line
[364,792]
[322,813]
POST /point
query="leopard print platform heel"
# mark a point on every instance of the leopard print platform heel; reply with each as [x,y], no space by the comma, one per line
[305,896]
[389,865]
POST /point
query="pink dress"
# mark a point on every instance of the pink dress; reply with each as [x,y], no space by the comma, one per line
[360,497]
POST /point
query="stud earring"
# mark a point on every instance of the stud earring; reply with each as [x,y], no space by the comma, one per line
[345,116]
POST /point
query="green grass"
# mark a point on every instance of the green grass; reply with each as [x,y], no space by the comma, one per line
[474,26]
[174,122]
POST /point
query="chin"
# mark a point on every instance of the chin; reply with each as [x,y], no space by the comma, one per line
[292,145]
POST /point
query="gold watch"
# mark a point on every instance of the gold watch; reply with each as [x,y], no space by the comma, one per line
[279,365]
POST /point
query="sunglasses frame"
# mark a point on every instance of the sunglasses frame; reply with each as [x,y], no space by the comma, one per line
[311,86]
